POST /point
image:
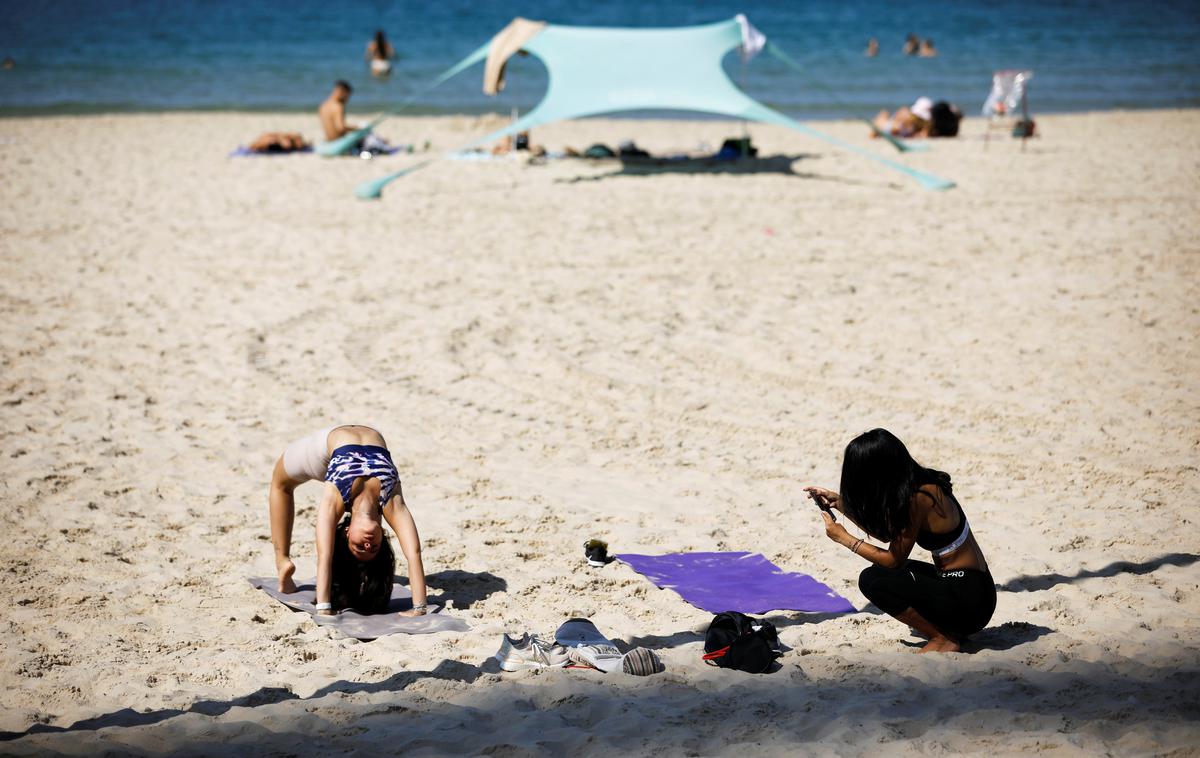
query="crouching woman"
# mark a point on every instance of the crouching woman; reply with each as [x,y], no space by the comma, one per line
[895,500]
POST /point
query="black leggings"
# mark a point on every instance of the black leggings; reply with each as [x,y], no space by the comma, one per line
[959,602]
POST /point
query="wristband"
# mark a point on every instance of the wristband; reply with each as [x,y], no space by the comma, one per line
[420,607]
[324,606]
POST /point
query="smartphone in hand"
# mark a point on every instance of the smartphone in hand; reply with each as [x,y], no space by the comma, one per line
[822,504]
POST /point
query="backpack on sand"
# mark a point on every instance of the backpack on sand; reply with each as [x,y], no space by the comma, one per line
[736,641]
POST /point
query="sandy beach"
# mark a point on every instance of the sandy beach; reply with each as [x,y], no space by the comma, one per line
[659,357]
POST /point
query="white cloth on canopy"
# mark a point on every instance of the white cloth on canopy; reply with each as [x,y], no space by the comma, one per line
[753,41]
[507,42]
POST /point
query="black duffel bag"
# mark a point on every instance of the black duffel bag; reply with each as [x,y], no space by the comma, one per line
[736,641]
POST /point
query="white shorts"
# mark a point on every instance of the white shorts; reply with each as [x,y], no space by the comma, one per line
[308,457]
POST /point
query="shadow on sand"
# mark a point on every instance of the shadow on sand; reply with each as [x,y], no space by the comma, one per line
[1168,694]
[465,588]
[520,716]
[1041,582]
[675,639]
[783,165]
[127,717]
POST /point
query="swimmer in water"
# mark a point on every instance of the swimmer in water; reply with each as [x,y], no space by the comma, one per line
[380,53]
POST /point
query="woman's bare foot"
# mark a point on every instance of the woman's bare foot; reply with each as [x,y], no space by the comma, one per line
[940,644]
[285,568]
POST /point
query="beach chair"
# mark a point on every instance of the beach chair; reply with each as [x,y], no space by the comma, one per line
[1009,95]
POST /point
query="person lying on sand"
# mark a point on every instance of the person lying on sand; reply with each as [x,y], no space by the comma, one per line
[924,118]
[279,142]
[906,122]
[894,499]
[519,142]
[355,563]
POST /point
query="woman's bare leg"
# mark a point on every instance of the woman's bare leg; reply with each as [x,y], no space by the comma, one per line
[939,641]
[881,123]
[283,514]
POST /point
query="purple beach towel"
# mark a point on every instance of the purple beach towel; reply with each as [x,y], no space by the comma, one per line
[745,582]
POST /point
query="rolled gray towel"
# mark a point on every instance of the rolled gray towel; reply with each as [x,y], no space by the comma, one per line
[641,662]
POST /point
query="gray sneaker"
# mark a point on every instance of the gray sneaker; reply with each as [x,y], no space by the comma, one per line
[604,657]
[529,652]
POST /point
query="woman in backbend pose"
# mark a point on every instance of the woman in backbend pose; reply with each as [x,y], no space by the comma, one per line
[894,499]
[355,563]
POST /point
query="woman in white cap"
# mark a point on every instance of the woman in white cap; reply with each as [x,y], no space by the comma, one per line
[912,121]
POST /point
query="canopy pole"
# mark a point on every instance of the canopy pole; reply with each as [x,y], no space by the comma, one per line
[745,123]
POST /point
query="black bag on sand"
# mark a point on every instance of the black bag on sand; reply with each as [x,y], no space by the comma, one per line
[736,641]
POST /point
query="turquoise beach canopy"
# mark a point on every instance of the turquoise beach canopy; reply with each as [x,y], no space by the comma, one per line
[597,70]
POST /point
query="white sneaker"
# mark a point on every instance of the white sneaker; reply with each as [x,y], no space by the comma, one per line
[529,652]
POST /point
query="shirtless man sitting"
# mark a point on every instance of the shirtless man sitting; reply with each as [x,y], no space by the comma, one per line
[333,111]
[333,121]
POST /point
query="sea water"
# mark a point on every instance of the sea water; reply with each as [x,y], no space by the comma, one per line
[72,56]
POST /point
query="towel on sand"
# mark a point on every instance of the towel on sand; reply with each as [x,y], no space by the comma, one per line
[745,582]
[354,624]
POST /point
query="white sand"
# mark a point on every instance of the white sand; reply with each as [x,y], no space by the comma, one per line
[563,352]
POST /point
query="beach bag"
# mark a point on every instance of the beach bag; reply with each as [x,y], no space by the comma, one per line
[737,147]
[599,151]
[945,119]
[736,641]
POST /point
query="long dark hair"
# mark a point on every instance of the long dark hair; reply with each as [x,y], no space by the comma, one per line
[879,478]
[945,119]
[381,44]
[365,586]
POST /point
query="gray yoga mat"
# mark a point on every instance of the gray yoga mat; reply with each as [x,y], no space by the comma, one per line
[364,627]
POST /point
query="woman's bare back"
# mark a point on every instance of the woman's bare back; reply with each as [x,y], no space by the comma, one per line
[355,435]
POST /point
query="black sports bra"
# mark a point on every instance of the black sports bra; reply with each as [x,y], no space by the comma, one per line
[948,542]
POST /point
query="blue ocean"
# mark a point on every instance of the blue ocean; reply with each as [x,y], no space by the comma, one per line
[71,56]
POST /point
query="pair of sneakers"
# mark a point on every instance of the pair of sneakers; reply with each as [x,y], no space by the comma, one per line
[531,652]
